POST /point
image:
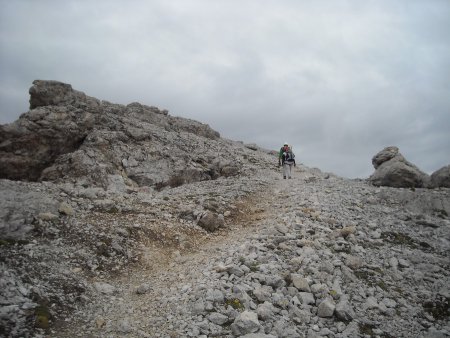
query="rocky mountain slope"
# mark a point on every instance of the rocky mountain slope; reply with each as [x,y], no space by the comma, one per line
[123,221]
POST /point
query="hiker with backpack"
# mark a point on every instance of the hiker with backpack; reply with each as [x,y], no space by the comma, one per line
[286,158]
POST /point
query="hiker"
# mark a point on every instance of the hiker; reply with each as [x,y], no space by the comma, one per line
[286,158]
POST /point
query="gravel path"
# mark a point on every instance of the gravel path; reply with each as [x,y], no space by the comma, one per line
[315,256]
[147,295]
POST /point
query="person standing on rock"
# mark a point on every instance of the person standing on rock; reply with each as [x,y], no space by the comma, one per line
[286,158]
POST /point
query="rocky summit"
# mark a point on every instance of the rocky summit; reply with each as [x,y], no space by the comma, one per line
[124,221]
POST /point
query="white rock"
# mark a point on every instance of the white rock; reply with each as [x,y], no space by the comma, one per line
[246,322]
[300,283]
[307,298]
[217,318]
[326,308]
[124,326]
[104,288]
[371,303]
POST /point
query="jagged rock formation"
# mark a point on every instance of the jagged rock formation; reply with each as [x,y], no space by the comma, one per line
[393,170]
[69,135]
[125,221]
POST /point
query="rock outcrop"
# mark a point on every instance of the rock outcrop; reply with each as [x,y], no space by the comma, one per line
[441,178]
[69,136]
[55,93]
[393,170]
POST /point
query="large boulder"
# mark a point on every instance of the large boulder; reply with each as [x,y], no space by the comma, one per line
[393,170]
[441,178]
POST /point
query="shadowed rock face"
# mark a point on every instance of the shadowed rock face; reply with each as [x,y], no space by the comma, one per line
[36,154]
[58,122]
[55,93]
[67,135]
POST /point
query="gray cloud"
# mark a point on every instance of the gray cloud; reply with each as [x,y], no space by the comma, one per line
[338,80]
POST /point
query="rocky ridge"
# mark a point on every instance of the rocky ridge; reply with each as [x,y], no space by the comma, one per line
[69,135]
[70,138]
[155,226]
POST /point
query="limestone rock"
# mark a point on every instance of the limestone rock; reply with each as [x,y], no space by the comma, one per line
[124,326]
[246,322]
[300,283]
[53,93]
[211,221]
[344,310]
[217,318]
[65,209]
[143,288]
[265,311]
[354,262]
[393,170]
[441,178]
[307,298]
[385,155]
[326,308]
[68,135]
[252,146]
[104,288]
[258,335]
[263,293]
[47,216]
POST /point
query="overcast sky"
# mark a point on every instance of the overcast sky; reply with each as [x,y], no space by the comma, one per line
[339,80]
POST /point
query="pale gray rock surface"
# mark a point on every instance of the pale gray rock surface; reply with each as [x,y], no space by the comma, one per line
[441,178]
[246,322]
[326,308]
[54,93]
[67,135]
[393,170]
